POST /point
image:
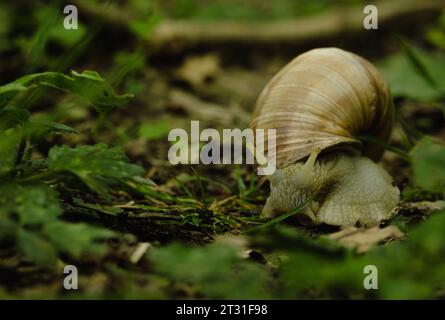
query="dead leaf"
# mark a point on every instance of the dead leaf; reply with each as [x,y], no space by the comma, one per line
[239,242]
[364,239]
[197,70]
[206,111]
[139,252]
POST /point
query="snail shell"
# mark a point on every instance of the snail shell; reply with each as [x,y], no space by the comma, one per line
[324,100]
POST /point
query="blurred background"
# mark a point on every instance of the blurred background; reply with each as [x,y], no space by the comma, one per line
[208,60]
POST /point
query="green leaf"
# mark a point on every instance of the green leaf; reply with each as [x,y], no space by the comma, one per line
[144,27]
[152,130]
[428,238]
[415,74]
[60,128]
[8,227]
[36,248]
[417,60]
[88,85]
[12,116]
[77,239]
[9,146]
[37,205]
[98,166]
[40,130]
[428,159]
[33,204]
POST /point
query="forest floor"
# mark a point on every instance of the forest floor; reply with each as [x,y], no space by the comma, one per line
[195,205]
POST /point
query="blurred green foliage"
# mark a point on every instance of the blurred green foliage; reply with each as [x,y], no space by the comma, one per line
[216,271]
[436,34]
[30,215]
[309,268]
[428,158]
[151,130]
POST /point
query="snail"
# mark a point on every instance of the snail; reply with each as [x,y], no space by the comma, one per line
[320,104]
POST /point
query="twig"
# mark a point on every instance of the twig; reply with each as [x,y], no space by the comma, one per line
[333,23]
[141,249]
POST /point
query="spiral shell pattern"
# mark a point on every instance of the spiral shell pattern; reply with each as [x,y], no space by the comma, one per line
[325,98]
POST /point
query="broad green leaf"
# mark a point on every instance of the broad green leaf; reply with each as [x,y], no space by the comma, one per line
[428,161]
[407,79]
[76,239]
[97,166]
[88,85]
[36,248]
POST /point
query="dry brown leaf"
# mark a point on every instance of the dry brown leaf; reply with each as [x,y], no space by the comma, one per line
[139,252]
[206,111]
[239,242]
[196,70]
[364,239]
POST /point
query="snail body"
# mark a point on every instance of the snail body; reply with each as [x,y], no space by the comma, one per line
[319,104]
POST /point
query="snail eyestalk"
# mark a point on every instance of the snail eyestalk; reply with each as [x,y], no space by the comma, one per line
[307,170]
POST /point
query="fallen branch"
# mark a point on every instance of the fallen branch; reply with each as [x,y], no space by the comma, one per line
[335,22]
[177,35]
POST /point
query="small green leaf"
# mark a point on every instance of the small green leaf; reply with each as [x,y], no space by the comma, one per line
[40,130]
[60,128]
